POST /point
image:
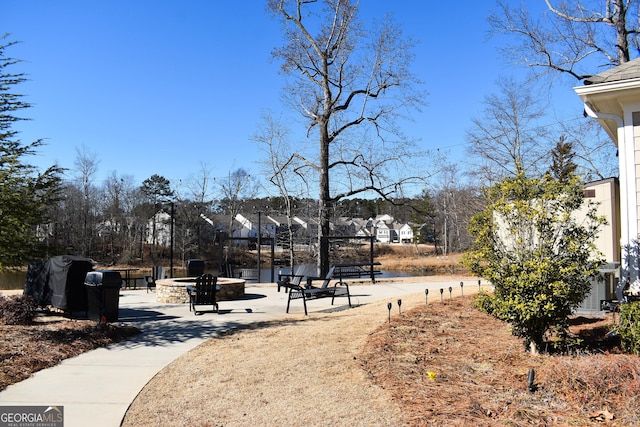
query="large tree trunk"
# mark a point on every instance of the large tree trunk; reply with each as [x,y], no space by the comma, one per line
[325,200]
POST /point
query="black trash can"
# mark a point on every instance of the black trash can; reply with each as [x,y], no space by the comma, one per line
[103,295]
[195,267]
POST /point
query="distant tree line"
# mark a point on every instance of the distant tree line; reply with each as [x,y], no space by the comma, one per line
[112,223]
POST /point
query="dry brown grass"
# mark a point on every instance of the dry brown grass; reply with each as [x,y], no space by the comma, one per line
[408,258]
[354,368]
[303,371]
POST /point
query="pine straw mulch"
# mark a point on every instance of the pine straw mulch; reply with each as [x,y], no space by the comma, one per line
[26,349]
[449,364]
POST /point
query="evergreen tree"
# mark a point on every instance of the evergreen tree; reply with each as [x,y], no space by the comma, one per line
[157,190]
[562,165]
[25,193]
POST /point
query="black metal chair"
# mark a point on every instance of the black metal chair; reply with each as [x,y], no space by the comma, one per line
[203,293]
[151,283]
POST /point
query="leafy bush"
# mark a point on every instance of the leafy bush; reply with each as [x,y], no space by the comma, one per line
[537,255]
[485,303]
[629,327]
[17,310]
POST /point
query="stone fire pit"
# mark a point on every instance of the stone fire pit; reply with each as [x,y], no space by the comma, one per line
[174,291]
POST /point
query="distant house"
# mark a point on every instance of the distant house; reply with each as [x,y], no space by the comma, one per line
[309,225]
[383,232]
[249,226]
[159,229]
[346,226]
[403,232]
[107,228]
[386,218]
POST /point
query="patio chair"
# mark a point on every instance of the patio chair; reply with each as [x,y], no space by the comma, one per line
[158,272]
[324,289]
[150,282]
[291,280]
[227,270]
[203,293]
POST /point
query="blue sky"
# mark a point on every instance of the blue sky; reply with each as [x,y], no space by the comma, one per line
[155,86]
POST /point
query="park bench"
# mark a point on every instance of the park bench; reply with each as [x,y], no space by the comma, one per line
[357,271]
[309,291]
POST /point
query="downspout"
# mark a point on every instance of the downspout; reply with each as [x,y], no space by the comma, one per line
[626,240]
[603,116]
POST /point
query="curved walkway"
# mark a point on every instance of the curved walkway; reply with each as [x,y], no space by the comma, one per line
[97,387]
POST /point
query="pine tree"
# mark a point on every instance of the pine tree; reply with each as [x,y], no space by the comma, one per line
[25,193]
[562,165]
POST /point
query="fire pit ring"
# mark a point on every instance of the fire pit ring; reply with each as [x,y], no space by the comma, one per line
[174,291]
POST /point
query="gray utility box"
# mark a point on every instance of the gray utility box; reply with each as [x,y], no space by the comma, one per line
[103,295]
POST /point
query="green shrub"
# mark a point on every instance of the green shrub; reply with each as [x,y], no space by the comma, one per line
[484,302]
[629,327]
[17,310]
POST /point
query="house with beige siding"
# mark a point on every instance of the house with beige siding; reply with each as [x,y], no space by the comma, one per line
[613,99]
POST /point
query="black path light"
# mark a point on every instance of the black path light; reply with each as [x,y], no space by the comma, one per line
[479,284]
[389,305]
[399,309]
[426,296]
[441,292]
[450,290]
[531,378]
[462,288]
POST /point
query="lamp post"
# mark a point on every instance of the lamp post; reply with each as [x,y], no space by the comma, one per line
[171,241]
[259,241]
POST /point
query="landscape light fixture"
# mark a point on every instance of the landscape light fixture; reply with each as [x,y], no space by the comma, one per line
[462,288]
[389,305]
[441,292]
[531,380]
[426,296]
[399,309]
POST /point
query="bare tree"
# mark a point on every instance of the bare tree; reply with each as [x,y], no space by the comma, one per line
[509,135]
[456,203]
[350,85]
[86,164]
[119,233]
[199,200]
[280,166]
[594,153]
[238,186]
[157,191]
[114,215]
[574,38]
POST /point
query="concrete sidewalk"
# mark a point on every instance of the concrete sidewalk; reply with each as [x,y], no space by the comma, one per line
[97,387]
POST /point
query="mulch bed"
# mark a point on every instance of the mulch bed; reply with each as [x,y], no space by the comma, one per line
[450,364]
